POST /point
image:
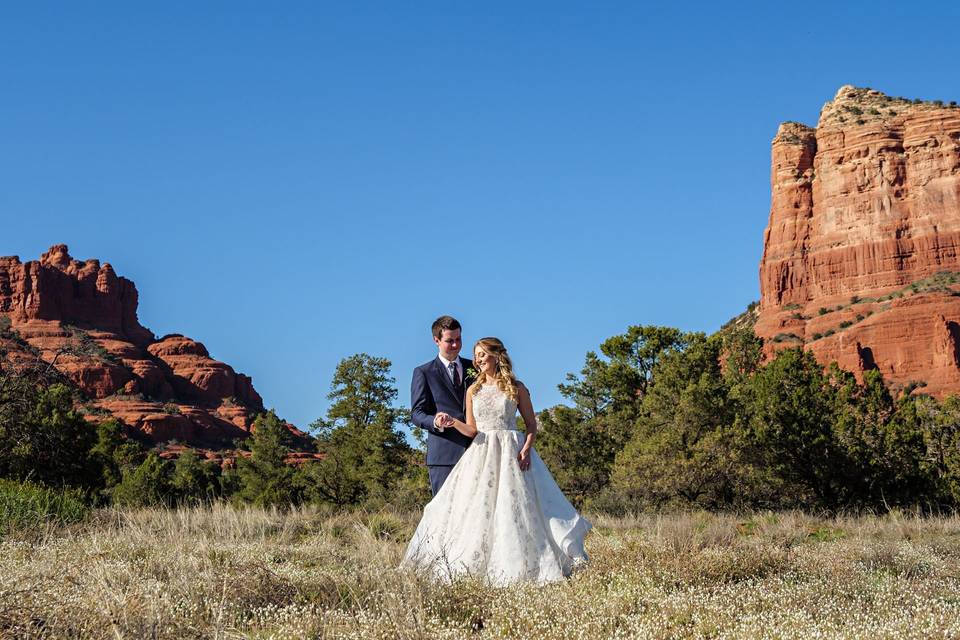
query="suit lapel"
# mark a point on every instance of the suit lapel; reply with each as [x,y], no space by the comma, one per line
[466,365]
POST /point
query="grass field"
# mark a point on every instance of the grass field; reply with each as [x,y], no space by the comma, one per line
[216,572]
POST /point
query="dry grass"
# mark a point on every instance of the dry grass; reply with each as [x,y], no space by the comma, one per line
[221,573]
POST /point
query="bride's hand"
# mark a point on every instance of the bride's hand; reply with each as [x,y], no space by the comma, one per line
[523,458]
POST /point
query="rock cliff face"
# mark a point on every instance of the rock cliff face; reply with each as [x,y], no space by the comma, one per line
[861,257]
[82,318]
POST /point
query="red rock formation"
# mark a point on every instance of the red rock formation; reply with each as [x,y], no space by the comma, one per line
[82,318]
[864,239]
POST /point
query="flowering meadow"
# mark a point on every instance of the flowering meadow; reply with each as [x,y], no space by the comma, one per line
[221,572]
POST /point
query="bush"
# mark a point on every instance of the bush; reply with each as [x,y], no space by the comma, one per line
[783,337]
[24,505]
[147,485]
[195,480]
[42,437]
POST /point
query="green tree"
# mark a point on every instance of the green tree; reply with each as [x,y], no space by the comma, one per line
[882,442]
[48,443]
[940,425]
[364,453]
[608,396]
[684,451]
[617,384]
[264,478]
[194,480]
[112,453]
[791,430]
[572,445]
[742,353]
[145,485]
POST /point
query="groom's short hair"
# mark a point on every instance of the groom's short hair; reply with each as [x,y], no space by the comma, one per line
[444,323]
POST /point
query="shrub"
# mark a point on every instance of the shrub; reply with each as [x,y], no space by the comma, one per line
[194,480]
[24,505]
[146,485]
[845,324]
[782,337]
[829,333]
[817,336]
[42,437]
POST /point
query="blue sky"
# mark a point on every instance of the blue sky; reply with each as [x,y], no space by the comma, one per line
[294,183]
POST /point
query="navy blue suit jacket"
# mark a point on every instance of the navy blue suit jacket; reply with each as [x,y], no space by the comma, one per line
[431,392]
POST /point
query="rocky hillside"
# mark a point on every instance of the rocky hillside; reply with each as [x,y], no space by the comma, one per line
[81,317]
[861,257]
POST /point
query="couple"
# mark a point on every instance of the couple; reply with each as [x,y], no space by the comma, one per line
[496,512]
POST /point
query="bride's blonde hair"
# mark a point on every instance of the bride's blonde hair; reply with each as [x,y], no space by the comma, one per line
[504,378]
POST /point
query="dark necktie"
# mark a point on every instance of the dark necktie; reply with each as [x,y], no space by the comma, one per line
[455,373]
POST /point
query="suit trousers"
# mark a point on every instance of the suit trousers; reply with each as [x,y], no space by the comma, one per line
[438,475]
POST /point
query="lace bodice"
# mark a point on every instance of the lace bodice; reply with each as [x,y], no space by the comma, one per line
[494,410]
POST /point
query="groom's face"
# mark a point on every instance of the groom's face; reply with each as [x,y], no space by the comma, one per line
[449,343]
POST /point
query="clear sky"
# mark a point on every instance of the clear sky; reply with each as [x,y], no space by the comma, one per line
[291,183]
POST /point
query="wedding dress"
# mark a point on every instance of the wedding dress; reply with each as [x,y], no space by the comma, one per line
[493,521]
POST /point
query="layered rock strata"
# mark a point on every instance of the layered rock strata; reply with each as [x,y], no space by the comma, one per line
[82,318]
[861,257]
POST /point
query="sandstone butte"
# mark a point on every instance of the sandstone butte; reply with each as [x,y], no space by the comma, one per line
[861,256]
[82,318]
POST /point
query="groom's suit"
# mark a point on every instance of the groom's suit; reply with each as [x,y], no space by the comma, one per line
[432,391]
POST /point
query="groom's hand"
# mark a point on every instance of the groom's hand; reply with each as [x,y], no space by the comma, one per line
[441,420]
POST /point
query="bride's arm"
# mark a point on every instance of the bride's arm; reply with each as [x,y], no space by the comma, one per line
[468,428]
[529,421]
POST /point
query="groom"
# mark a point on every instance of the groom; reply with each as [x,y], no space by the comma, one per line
[438,390]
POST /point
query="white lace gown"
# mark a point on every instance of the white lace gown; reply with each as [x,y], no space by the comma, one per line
[493,521]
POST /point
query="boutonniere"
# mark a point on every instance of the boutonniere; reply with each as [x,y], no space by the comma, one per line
[471,372]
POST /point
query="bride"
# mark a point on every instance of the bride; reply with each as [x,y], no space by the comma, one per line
[500,515]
